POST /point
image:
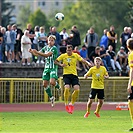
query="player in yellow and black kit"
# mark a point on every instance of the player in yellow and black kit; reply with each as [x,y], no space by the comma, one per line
[130,83]
[70,78]
[98,74]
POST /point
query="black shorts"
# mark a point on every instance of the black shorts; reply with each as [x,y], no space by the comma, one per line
[130,96]
[17,46]
[71,79]
[98,92]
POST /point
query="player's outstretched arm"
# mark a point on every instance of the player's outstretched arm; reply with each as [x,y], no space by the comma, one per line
[86,62]
[32,51]
[59,64]
[44,54]
[37,53]
[86,76]
[106,76]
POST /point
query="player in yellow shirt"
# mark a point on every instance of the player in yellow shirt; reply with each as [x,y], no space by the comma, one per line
[98,74]
[130,83]
[70,77]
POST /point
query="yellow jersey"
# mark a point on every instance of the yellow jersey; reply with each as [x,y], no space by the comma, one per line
[97,76]
[130,61]
[71,62]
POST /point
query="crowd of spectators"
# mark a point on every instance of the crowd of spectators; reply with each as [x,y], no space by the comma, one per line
[14,45]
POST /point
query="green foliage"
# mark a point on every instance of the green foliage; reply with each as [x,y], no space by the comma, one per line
[6,8]
[129,15]
[62,122]
[97,13]
[39,18]
[24,16]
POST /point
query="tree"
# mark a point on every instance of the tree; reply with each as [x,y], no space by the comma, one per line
[97,13]
[39,18]
[129,15]
[6,9]
[23,16]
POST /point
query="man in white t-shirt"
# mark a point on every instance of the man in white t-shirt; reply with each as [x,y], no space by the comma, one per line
[64,34]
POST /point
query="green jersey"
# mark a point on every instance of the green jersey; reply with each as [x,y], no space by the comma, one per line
[49,61]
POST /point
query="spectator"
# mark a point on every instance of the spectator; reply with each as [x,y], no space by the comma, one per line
[31,36]
[114,62]
[104,39]
[1,42]
[83,54]
[4,54]
[64,35]
[50,31]
[122,57]
[76,50]
[17,47]
[112,37]
[124,37]
[95,53]
[91,41]
[129,30]
[42,38]
[35,42]
[10,42]
[74,37]
[64,38]
[25,46]
[105,57]
[58,38]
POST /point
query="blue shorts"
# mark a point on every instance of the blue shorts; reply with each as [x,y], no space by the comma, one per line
[9,46]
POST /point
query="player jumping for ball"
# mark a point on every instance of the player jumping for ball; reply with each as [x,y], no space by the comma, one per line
[50,71]
[68,61]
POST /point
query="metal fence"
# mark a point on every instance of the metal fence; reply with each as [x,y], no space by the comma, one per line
[27,90]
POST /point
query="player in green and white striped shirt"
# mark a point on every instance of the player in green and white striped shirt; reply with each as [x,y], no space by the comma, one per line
[49,76]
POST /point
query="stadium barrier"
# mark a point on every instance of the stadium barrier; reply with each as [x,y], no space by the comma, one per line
[27,90]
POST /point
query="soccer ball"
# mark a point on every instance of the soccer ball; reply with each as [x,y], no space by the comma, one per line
[59,16]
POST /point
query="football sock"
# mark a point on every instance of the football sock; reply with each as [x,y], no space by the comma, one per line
[98,107]
[88,107]
[57,86]
[130,104]
[66,95]
[74,96]
[48,91]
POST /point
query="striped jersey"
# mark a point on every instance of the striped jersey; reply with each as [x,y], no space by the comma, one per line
[49,61]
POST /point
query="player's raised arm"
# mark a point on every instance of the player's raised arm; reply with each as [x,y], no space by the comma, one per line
[37,53]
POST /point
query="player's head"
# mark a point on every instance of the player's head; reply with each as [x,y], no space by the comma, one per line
[51,40]
[130,44]
[69,49]
[97,61]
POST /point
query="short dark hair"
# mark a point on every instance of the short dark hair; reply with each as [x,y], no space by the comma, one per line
[69,46]
[83,46]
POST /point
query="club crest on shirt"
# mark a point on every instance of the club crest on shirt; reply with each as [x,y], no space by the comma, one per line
[98,74]
[68,59]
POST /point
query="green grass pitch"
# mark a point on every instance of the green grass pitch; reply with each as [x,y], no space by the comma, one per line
[62,122]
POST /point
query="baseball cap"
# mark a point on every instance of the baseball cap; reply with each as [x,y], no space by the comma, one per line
[122,47]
